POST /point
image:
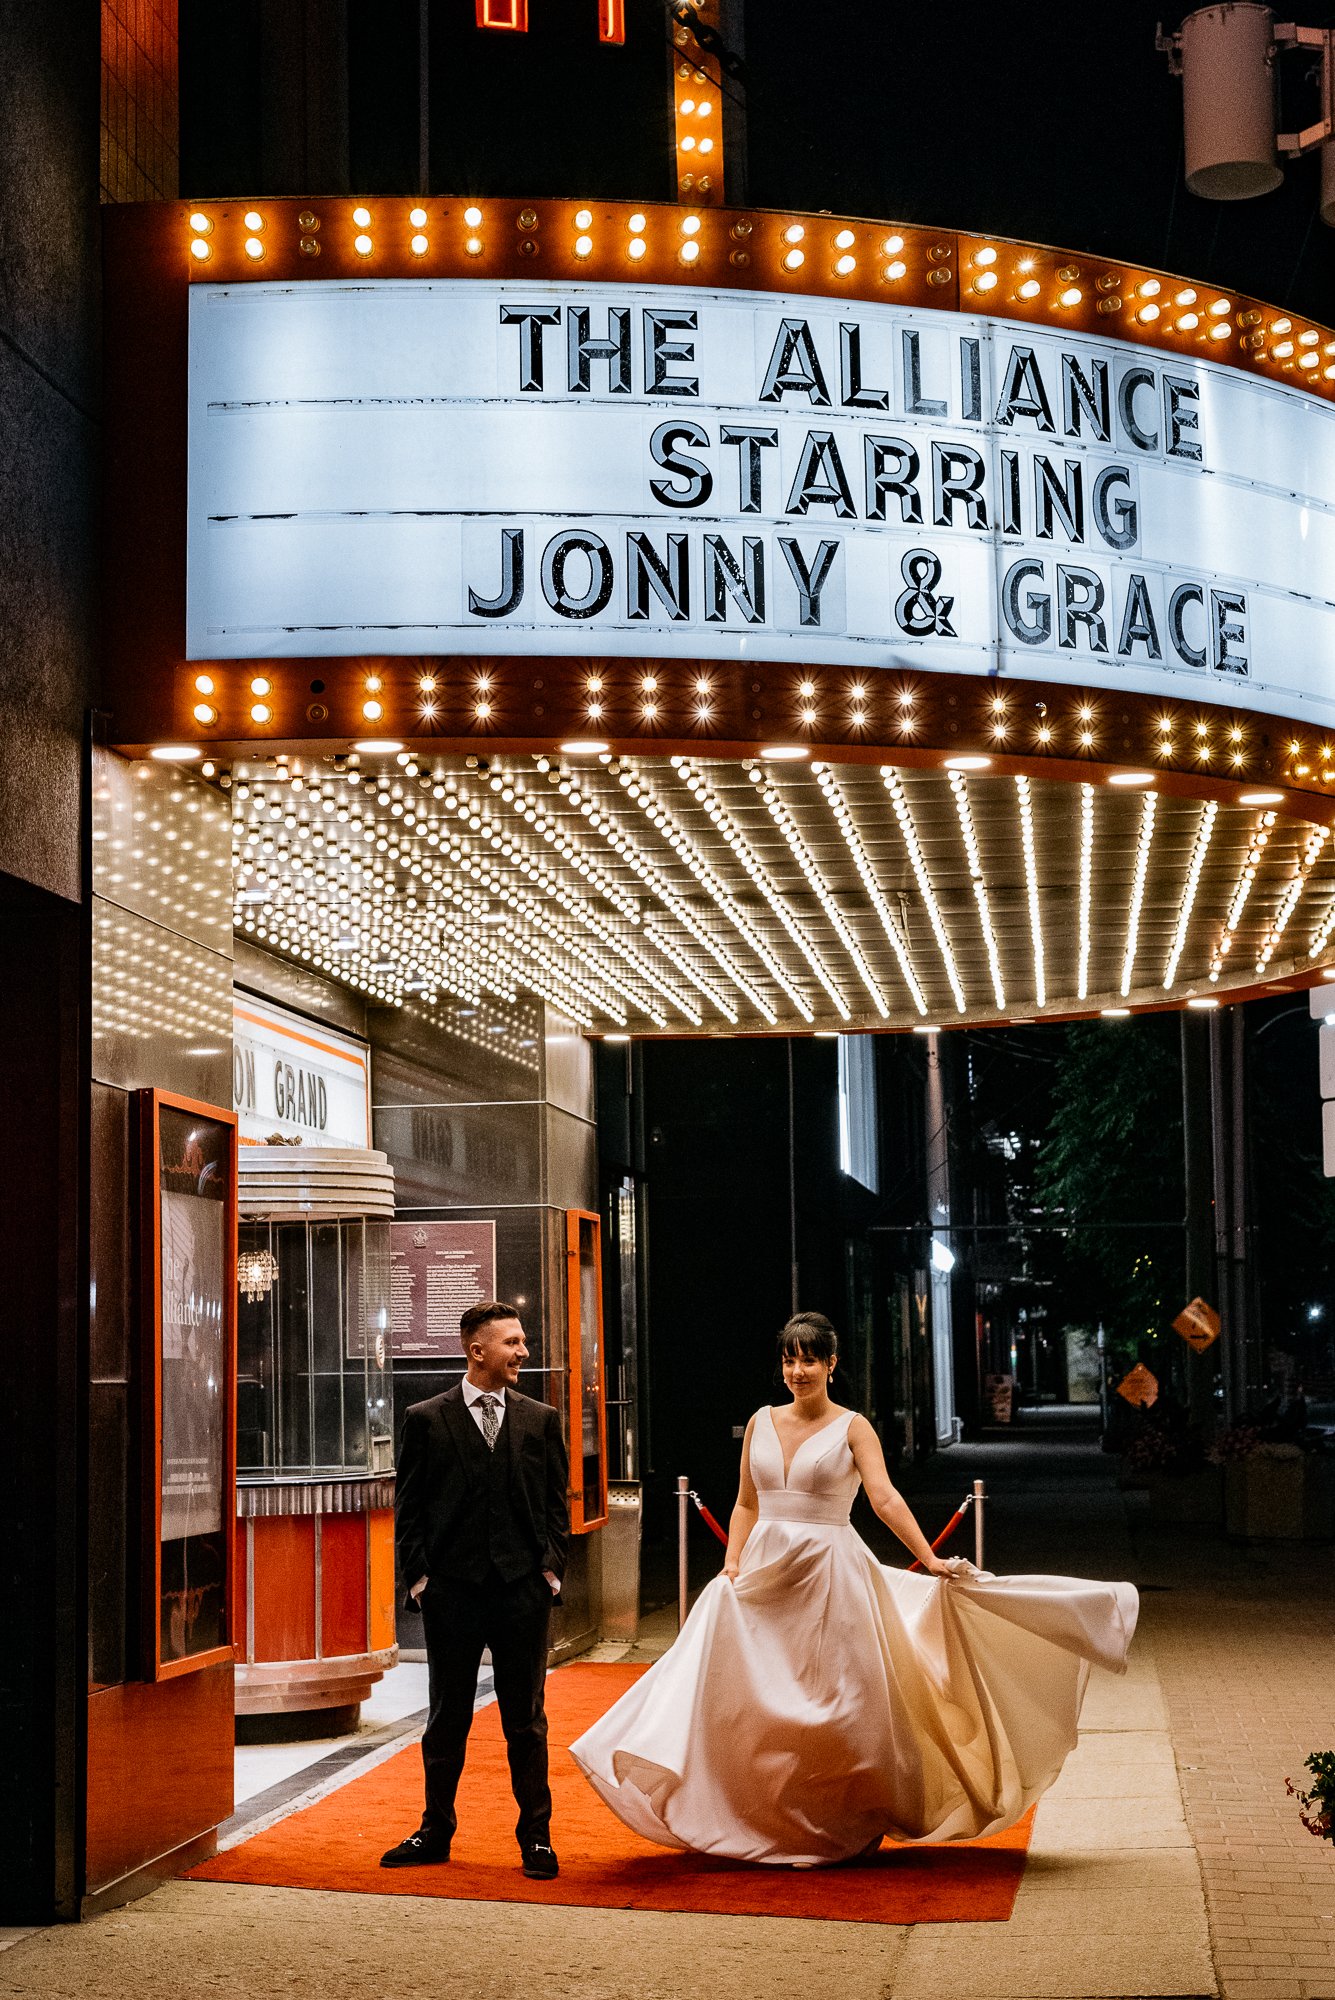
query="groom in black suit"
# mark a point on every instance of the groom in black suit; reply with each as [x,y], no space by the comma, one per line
[482,1525]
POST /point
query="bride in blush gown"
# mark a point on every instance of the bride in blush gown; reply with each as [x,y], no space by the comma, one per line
[816,1700]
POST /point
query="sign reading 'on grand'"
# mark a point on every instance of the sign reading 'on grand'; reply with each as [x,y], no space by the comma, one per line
[492,467]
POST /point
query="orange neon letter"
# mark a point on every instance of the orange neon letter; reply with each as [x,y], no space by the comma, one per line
[611,20]
[503,14]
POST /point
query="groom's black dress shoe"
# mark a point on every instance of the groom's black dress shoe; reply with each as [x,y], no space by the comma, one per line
[416,1852]
[540,1863]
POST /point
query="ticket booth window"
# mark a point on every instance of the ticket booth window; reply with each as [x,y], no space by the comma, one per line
[587,1376]
[313,1388]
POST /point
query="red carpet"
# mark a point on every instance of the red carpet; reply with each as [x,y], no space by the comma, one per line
[337,1844]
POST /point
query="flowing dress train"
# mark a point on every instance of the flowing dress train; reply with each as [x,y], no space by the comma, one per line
[824,1700]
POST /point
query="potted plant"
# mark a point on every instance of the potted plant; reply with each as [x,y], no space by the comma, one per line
[1181,1485]
[1316,1806]
[1275,1490]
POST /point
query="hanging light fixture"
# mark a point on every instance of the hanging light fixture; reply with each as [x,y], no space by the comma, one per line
[255,1273]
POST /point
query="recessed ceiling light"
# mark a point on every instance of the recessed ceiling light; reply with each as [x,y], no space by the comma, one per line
[374,743]
[927,1027]
[1261,799]
[584,746]
[1131,778]
[1115,1013]
[616,1038]
[968,763]
[826,1034]
[779,753]
[1204,1000]
[175,753]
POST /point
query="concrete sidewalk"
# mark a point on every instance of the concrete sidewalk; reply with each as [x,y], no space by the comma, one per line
[1167,1860]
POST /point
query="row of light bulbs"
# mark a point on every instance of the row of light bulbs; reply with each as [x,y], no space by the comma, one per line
[1160,305]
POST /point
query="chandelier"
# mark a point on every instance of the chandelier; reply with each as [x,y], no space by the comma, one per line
[255,1273]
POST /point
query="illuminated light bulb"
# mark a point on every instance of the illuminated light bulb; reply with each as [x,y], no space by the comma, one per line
[419,246]
[253,220]
[1147,315]
[687,105]
[1220,331]
[688,143]
[1150,289]
[362,245]
[473,218]
[844,240]
[704,107]
[636,247]
[637,225]
[1030,288]
[259,685]
[690,225]
[1307,360]
[199,248]
[362,217]
[203,713]
[372,710]
[807,689]
[689,252]
[201,224]
[895,271]
[417,217]
[985,281]
[983,258]
[893,245]
[1277,326]
[1186,297]
[1045,734]
[1309,338]
[1218,308]
[203,684]
[259,712]
[794,260]
[583,245]
[1071,296]
[1283,350]
[794,233]
[373,683]
[706,145]
[1328,373]
[482,709]
[584,218]
[473,245]
[1188,322]
[843,265]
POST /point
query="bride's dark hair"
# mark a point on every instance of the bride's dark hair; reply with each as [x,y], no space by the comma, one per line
[809,1334]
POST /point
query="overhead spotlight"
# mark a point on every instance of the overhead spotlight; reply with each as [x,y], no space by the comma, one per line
[1229,60]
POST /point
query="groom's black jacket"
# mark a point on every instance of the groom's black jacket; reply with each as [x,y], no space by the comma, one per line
[462,1511]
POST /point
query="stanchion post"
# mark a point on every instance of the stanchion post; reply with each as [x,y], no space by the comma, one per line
[978,1498]
[683,1517]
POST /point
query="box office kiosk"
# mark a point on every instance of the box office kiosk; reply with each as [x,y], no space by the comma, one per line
[313,1600]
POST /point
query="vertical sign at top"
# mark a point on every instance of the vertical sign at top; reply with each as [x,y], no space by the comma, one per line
[698,102]
[513,14]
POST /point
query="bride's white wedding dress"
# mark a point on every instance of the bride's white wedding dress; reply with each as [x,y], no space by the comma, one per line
[823,1700]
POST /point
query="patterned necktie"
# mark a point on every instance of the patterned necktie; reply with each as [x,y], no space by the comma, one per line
[491,1422]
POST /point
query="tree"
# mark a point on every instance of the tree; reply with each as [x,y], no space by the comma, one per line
[1109,1172]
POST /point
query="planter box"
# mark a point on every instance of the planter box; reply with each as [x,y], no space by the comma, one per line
[1281,1499]
[1192,1498]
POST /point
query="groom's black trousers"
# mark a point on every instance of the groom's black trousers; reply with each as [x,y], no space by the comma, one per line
[512,1619]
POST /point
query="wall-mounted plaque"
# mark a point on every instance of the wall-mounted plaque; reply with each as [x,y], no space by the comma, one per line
[436,1271]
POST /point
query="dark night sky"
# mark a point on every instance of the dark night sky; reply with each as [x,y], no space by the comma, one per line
[1052,119]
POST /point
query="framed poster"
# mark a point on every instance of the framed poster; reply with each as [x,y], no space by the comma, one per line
[436,1271]
[188,1292]
[587,1386]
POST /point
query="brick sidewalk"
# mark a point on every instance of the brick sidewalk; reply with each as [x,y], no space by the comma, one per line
[1244,1641]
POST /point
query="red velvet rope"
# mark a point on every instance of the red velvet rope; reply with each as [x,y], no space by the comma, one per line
[944,1535]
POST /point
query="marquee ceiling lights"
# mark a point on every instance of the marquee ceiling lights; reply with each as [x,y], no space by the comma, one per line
[690,895]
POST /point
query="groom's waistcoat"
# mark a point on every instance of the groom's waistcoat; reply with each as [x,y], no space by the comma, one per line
[489,1533]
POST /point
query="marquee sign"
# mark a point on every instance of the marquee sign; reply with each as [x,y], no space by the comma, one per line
[505,467]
